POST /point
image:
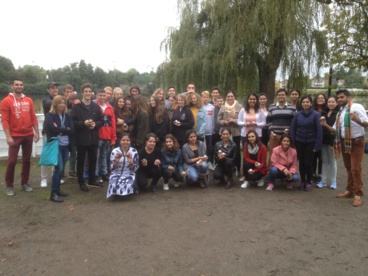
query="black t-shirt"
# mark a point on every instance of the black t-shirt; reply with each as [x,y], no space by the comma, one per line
[150,157]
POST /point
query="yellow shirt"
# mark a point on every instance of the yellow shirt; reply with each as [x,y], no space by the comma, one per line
[195,112]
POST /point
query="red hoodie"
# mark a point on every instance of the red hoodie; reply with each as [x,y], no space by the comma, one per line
[18,115]
[108,129]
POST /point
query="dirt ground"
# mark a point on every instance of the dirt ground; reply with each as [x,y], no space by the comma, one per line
[185,231]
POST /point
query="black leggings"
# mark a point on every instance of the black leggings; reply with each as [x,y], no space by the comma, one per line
[305,156]
[224,167]
[145,173]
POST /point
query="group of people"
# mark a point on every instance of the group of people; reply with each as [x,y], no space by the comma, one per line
[126,140]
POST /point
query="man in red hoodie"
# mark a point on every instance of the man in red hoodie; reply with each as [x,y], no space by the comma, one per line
[107,135]
[20,125]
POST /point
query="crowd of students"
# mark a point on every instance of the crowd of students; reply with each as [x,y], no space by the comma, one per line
[126,140]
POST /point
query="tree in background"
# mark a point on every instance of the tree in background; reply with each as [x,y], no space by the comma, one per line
[76,73]
[241,44]
[347,30]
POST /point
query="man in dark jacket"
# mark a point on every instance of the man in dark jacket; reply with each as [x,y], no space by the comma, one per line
[87,118]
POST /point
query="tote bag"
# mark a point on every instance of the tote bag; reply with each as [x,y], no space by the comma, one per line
[50,152]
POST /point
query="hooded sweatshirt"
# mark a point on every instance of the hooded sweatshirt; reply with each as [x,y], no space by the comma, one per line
[18,115]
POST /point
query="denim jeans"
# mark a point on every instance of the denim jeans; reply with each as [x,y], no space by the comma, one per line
[73,155]
[276,173]
[59,168]
[194,171]
[103,149]
[328,163]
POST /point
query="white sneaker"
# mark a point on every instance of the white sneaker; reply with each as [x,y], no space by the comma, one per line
[176,184]
[245,184]
[44,183]
[260,182]
[62,181]
[165,186]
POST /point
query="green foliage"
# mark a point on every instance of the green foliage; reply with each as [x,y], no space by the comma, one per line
[347,30]
[241,44]
[36,78]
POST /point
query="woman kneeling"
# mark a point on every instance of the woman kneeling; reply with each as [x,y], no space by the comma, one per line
[255,160]
[149,163]
[284,163]
[195,159]
[225,156]
[171,162]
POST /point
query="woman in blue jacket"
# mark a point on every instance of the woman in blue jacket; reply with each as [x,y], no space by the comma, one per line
[171,162]
[59,124]
[306,135]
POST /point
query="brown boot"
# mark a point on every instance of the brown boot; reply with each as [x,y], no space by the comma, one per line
[202,180]
[347,194]
[357,201]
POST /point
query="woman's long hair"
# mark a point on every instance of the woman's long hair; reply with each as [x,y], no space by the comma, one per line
[258,140]
[158,110]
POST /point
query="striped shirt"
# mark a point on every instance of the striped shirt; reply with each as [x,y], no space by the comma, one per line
[280,117]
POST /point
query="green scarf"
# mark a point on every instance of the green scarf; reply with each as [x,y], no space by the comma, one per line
[347,131]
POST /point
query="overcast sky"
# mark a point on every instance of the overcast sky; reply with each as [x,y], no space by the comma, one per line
[53,33]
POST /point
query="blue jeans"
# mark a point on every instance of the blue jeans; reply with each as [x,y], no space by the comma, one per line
[276,173]
[194,171]
[328,163]
[101,165]
[59,168]
[73,155]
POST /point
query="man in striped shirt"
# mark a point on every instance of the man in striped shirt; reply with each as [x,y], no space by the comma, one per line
[280,115]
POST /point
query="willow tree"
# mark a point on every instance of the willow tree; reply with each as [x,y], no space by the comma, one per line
[240,44]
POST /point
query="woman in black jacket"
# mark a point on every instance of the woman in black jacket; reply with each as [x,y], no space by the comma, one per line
[328,158]
[59,124]
[182,120]
[159,120]
[225,154]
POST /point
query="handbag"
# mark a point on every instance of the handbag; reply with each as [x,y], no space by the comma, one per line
[50,152]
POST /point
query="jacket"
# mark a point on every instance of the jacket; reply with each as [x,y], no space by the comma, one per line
[141,128]
[201,122]
[108,129]
[260,121]
[161,130]
[281,160]
[261,158]
[189,154]
[83,135]
[18,115]
[230,150]
[186,119]
[223,116]
[53,131]
[306,128]
[171,158]
[327,137]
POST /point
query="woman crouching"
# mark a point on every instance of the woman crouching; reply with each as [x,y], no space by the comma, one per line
[195,159]
[124,163]
[225,153]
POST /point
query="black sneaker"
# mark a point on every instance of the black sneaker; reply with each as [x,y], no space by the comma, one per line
[95,184]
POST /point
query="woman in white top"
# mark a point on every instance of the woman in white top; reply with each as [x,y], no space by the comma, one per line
[251,118]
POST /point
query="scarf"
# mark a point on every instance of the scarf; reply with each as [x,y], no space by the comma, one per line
[252,150]
[347,132]
[230,109]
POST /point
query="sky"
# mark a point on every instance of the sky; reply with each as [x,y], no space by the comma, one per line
[110,34]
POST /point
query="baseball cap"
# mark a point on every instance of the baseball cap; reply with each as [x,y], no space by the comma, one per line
[50,84]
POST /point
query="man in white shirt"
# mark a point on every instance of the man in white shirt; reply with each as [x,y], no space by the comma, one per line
[349,127]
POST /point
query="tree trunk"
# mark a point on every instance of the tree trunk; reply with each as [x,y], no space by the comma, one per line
[267,77]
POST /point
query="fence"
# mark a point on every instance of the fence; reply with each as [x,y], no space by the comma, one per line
[37,147]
